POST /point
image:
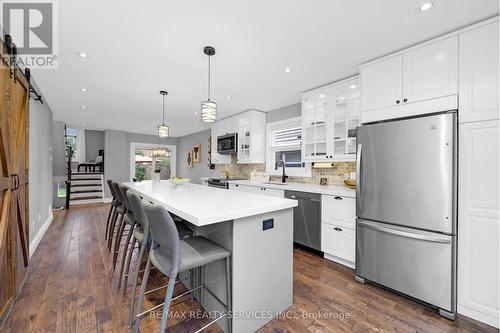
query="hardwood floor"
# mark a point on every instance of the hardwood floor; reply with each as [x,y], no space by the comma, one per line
[71,287]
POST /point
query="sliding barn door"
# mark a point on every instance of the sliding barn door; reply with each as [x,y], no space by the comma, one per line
[19,121]
[7,286]
[14,219]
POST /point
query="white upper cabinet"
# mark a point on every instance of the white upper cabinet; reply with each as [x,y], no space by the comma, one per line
[251,129]
[427,74]
[431,71]
[252,137]
[330,116]
[479,79]
[381,84]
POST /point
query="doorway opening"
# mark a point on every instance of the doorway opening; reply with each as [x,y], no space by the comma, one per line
[144,162]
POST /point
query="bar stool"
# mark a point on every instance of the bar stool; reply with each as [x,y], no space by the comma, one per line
[171,255]
[118,214]
[112,208]
[142,236]
[131,221]
[128,220]
[121,210]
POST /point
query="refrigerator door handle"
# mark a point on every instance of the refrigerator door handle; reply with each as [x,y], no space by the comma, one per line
[434,239]
[358,177]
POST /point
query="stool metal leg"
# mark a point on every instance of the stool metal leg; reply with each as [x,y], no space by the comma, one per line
[108,221]
[127,265]
[141,295]
[168,300]
[118,241]
[124,254]
[115,220]
[136,278]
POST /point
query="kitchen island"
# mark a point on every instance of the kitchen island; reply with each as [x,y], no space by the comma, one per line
[257,230]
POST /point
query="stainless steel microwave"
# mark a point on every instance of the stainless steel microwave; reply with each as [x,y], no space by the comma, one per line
[227,144]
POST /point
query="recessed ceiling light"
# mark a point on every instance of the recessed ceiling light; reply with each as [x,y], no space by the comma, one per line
[425,6]
[83,89]
[83,107]
[353,86]
[322,95]
[83,54]
[228,97]
[196,112]
[288,69]
[83,124]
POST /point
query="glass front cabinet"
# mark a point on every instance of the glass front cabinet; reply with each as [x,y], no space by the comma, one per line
[330,116]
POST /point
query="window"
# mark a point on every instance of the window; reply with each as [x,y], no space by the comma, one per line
[71,141]
[284,142]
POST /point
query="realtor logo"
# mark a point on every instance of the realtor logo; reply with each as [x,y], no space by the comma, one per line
[33,30]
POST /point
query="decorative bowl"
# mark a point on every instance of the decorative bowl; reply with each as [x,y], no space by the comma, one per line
[351,183]
[178,181]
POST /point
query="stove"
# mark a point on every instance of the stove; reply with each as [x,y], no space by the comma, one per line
[220,182]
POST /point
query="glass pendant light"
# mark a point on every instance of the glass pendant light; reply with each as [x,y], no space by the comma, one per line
[208,107]
[163,130]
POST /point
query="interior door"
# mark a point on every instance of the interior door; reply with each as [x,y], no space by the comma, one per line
[7,289]
[407,172]
[19,120]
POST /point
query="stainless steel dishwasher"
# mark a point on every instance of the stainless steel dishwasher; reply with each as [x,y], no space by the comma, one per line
[306,219]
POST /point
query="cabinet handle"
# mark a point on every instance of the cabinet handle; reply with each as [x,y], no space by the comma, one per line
[236,185]
[398,101]
[338,198]
[405,100]
[337,229]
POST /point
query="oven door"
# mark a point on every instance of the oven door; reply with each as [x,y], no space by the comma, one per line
[226,144]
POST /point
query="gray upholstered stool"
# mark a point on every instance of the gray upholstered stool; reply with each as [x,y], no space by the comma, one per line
[119,213]
[131,221]
[142,236]
[128,220]
[171,255]
[112,208]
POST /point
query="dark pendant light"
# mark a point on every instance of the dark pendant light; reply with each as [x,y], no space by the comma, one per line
[208,107]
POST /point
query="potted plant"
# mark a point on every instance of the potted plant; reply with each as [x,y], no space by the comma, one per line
[156,174]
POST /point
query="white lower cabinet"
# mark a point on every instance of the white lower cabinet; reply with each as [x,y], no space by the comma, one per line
[338,231]
[478,222]
[260,190]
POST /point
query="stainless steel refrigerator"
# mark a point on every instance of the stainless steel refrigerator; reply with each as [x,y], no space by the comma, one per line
[406,227]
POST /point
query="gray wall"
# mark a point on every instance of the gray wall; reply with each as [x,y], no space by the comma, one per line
[58,161]
[286,112]
[117,154]
[40,166]
[199,169]
[94,141]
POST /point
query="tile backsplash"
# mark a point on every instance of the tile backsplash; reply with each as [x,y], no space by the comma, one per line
[334,176]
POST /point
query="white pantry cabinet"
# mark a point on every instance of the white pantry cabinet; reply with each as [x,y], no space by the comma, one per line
[478,72]
[330,116]
[427,72]
[478,221]
[259,190]
[338,231]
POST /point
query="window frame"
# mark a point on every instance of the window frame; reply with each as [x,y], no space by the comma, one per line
[304,171]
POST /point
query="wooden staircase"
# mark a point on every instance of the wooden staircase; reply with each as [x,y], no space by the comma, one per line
[86,187]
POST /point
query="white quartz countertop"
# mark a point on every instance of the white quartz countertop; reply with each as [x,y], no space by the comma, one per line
[311,188]
[203,205]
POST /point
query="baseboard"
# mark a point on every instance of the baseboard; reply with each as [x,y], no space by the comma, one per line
[107,200]
[481,316]
[39,235]
[339,260]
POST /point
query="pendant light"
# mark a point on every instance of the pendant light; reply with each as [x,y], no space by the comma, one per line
[163,130]
[208,108]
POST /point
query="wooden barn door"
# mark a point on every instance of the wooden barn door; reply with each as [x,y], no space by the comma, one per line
[7,286]
[19,121]
[14,207]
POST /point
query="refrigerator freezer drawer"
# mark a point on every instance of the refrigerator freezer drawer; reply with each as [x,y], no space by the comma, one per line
[415,263]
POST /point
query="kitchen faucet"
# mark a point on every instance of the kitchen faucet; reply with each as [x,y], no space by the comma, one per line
[284,176]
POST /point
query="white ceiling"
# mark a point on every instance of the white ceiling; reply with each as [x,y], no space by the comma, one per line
[137,48]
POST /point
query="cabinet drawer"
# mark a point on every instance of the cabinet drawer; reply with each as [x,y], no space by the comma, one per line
[341,209]
[338,241]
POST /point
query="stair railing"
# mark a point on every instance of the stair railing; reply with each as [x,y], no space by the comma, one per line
[69,154]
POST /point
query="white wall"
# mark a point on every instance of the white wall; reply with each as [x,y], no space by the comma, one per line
[40,171]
